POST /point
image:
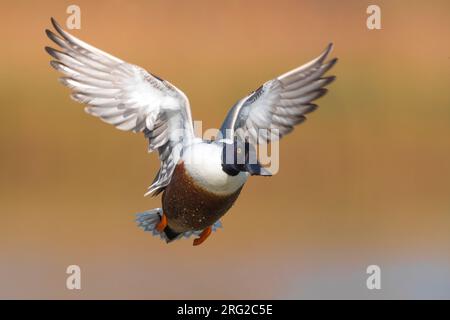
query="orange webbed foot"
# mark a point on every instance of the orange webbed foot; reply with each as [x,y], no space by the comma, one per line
[162,224]
[203,236]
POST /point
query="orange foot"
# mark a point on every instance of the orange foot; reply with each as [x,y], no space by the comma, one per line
[203,236]
[162,224]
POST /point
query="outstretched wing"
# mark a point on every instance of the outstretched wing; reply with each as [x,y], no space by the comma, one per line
[125,96]
[280,103]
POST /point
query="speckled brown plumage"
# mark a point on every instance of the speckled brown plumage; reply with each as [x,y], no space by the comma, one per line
[190,207]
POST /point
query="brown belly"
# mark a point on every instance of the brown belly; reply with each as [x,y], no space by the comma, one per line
[187,206]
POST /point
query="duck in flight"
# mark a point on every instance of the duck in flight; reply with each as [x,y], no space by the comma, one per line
[199,180]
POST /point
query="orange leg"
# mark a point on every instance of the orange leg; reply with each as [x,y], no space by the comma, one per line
[203,236]
[162,224]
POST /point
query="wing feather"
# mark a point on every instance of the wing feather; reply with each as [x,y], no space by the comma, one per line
[273,110]
[126,96]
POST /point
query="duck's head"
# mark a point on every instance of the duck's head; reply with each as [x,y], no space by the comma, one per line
[241,156]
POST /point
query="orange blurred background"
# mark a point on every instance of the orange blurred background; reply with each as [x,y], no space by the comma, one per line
[366,180]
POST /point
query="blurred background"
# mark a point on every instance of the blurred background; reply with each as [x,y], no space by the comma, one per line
[366,180]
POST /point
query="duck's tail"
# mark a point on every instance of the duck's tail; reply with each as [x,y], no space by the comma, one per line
[149,219]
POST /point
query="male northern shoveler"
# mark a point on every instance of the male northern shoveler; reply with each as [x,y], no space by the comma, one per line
[200,180]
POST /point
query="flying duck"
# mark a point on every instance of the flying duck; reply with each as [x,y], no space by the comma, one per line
[199,180]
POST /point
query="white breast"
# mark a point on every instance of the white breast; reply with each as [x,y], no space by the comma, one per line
[203,162]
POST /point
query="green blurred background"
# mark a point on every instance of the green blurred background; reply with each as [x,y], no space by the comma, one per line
[366,180]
